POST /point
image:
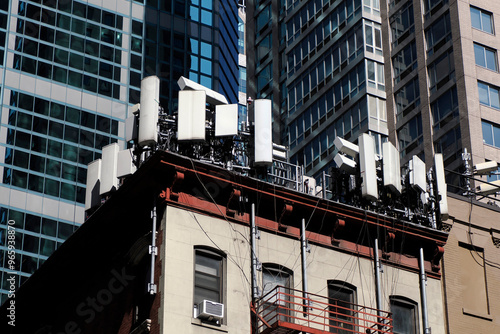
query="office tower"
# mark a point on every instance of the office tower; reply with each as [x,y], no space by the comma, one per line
[242,62]
[69,70]
[196,39]
[322,64]
[442,75]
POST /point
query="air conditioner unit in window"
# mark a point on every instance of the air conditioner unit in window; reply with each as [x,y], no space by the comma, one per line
[210,310]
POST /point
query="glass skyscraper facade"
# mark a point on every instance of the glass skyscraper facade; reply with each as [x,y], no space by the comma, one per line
[323,67]
[420,74]
[69,70]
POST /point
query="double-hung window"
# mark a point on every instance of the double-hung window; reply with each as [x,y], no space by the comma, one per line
[486,57]
[404,315]
[276,283]
[342,308]
[208,276]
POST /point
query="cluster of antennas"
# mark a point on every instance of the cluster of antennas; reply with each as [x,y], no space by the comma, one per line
[366,178]
[205,127]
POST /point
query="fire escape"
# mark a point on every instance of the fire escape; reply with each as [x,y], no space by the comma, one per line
[286,311]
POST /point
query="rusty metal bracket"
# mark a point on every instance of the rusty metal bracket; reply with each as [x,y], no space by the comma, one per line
[338,227]
[287,212]
[389,237]
[172,192]
[232,203]
[438,254]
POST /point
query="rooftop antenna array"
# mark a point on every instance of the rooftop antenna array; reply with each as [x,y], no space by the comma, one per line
[375,182]
[206,128]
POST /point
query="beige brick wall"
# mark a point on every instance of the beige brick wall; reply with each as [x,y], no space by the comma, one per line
[182,233]
[463,315]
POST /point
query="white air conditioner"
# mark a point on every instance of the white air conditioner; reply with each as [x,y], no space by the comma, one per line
[210,310]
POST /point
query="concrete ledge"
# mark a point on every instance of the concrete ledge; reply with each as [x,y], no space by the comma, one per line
[483,316]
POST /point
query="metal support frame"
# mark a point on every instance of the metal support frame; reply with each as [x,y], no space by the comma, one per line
[153,250]
[378,291]
[304,249]
[255,288]
[423,293]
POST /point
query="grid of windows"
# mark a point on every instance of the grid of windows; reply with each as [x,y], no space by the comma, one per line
[445,108]
[489,95]
[72,49]
[345,50]
[438,33]
[485,57]
[410,135]
[36,239]
[344,89]
[336,20]
[407,98]
[402,24]
[481,19]
[4,8]
[405,61]
[50,144]
[432,6]
[346,126]
[450,145]
[441,71]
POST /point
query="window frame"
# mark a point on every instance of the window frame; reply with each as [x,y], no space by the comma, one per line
[484,49]
[348,289]
[288,275]
[212,254]
[402,301]
[481,13]
[491,90]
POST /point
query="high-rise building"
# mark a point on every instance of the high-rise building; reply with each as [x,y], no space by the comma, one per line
[69,70]
[442,74]
[422,74]
[322,64]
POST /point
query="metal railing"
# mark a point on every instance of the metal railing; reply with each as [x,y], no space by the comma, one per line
[284,308]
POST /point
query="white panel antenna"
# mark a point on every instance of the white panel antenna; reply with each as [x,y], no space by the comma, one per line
[125,165]
[109,179]
[226,120]
[418,174]
[488,189]
[131,128]
[213,97]
[367,166]
[150,102]
[279,152]
[346,147]
[345,163]
[391,167]
[92,197]
[486,167]
[192,115]
[263,132]
[441,185]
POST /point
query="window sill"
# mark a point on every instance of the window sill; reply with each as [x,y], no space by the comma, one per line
[198,322]
[475,314]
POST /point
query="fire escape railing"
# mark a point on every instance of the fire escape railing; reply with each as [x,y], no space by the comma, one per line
[285,308]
